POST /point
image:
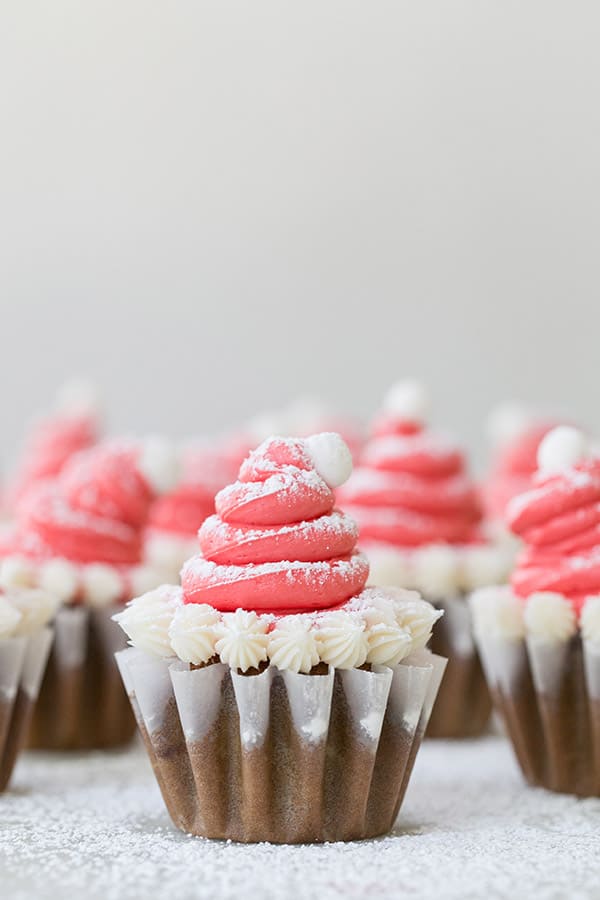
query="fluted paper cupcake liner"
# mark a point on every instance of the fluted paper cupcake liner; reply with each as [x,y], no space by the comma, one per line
[464,704]
[278,756]
[22,664]
[548,694]
[82,704]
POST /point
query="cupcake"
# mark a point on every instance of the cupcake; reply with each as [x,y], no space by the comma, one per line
[74,425]
[420,524]
[174,518]
[25,640]
[80,538]
[516,435]
[278,698]
[539,638]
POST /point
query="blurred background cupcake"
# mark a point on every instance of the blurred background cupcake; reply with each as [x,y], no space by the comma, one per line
[25,640]
[278,699]
[79,537]
[420,519]
[540,637]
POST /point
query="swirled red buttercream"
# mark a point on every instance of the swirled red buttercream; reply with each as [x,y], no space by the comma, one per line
[276,542]
[558,518]
[411,488]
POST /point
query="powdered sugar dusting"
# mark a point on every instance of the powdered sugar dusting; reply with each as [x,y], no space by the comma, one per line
[95,828]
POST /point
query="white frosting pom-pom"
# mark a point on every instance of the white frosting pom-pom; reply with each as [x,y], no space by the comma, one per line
[102,584]
[17,572]
[78,396]
[506,422]
[160,464]
[549,617]
[561,448]
[407,399]
[330,456]
[60,578]
[590,620]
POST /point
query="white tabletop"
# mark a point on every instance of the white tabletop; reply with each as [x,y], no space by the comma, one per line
[94,827]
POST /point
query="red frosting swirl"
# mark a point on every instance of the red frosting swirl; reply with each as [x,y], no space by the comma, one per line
[512,470]
[276,542]
[94,512]
[206,468]
[411,488]
[559,521]
[50,446]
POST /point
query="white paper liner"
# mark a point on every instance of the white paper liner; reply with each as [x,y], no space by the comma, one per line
[253,697]
[71,634]
[457,625]
[415,687]
[257,789]
[149,681]
[310,703]
[591,660]
[12,657]
[367,696]
[188,685]
[34,663]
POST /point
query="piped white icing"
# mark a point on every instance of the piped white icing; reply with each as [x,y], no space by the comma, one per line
[101,584]
[60,577]
[418,617]
[146,620]
[496,612]
[331,457]
[436,570]
[590,620]
[549,617]
[342,640]
[192,632]
[293,645]
[561,448]
[242,641]
[36,607]
[17,572]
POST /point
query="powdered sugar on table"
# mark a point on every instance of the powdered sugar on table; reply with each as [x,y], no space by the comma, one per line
[95,828]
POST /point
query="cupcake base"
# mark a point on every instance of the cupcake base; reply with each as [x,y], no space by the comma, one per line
[549,698]
[281,757]
[82,705]
[464,704]
[22,663]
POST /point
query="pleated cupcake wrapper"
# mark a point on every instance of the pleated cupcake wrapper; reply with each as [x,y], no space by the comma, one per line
[548,694]
[82,704]
[464,704]
[22,664]
[279,756]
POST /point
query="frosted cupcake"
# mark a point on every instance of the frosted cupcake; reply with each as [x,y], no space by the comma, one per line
[516,435]
[72,426]
[79,537]
[174,518]
[25,640]
[280,700]
[419,517]
[540,638]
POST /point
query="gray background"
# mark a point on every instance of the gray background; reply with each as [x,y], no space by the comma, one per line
[212,206]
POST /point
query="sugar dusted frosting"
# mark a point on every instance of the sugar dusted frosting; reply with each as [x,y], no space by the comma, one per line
[80,536]
[276,543]
[558,519]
